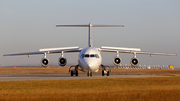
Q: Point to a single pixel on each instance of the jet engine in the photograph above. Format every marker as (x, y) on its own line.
(45, 62)
(62, 61)
(134, 62)
(117, 61)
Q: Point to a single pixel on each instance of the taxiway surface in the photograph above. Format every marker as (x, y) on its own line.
(24, 77)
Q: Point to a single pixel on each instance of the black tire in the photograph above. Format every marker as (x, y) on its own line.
(90, 73)
(87, 73)
(107, 73)
(72, 73)
(102, 72)
(76, 73)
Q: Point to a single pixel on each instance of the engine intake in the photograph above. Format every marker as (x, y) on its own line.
(62, 61)
(117, 61)
(134, 62)
(45, 62)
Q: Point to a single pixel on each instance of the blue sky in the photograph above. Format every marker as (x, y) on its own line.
(152, 25)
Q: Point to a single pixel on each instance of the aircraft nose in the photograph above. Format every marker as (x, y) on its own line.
(88, 64)
(91, 64)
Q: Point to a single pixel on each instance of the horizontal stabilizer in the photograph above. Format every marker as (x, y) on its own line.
(89, 25)
(108, 26)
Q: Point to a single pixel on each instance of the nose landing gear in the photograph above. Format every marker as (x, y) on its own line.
(89, 73)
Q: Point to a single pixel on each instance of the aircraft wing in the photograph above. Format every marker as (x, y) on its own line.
(130, 50)
(49, 50)
(152, 53)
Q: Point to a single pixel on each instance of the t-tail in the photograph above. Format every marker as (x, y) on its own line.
(90, 26)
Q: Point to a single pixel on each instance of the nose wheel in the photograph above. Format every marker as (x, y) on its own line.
(89, 73)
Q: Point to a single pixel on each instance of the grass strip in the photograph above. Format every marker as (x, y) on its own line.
(111, 89)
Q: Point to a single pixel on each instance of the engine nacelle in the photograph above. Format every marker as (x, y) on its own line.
(117, 61)
(134, 62)
(45, 62)
(62, 61)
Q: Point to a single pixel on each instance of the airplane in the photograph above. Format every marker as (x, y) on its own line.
(89, 59)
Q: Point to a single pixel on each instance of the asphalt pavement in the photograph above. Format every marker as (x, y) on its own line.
(25, 77)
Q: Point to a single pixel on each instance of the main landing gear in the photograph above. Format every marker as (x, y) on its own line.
(104, 71)
(74, 71)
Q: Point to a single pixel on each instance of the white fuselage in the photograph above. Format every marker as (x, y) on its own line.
(90, 59)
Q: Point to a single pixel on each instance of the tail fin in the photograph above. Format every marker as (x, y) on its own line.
(89, 25)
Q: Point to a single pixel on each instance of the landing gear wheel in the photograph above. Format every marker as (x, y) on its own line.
(76, 73)
(72, 73)
(87, 73)
(102, 72)
(107, 73)
(90, 73)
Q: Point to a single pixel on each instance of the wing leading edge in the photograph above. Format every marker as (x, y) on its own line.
(130, 50)
(49, 50)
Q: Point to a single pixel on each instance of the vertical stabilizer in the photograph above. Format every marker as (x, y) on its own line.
(89, 38)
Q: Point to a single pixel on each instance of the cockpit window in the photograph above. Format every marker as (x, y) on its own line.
(86, 55)
(89, 55)
(92, 55)
(97, 56)
(82, 56)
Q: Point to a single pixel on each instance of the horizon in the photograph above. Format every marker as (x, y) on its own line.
(27, 26)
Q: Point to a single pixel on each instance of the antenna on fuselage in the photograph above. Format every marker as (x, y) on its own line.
(90, 26)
